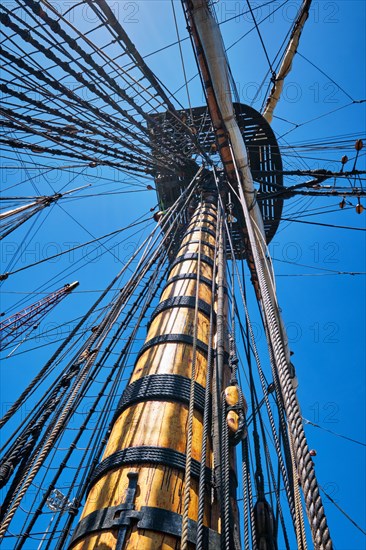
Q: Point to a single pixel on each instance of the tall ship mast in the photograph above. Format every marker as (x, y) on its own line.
(159, 420)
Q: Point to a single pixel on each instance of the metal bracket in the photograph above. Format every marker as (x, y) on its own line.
(170, 523)
(148, 518)
(116, 517)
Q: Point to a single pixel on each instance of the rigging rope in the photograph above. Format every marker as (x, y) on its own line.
(206, 412)
(119, 364)
(92, 348)
(300, 526)
(260, 37)
(187, 478)
(253, 344)
(314, 505)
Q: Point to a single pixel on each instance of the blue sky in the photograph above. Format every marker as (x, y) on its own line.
(324, 312)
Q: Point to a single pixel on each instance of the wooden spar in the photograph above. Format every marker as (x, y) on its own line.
(23, 213)
(160, 422)
(212, 101)
(18, 210)
(286, 64)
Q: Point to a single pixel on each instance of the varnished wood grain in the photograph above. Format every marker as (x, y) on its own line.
(161, 423)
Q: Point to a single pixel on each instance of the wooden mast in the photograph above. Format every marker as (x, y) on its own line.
(139, 485)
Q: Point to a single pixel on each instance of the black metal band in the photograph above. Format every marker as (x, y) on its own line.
(203, 243)
(173, 339)
(182, 301)
(194, 224)
(116, 517)
(203, 229)
(192, 256)
(192, 276)
(204, 212)
(156, 387)
(170, 523)
(204, 280)
(148, 518)
(147, 455)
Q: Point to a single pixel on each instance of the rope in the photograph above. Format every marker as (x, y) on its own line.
(225, 448)
(225, 466)
(72, 249)
(182, 61)
(343, 512)
(276, 492)
(38, 463)
(187, 485)
(117, 365)
(334, 433)
(314, 505)
(261, 38)
(54, 430)
(206, 418)
(300, 526)
(246, 475)
(72, 401)
(220, 361)
(120, 364)
(147, 245)
(26, 393)
(264, 386)
(245, 481)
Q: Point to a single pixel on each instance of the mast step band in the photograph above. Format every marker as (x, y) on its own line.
(206, 211)
(161, 387)
(192, 256)
(194, 225)
(204, 243)
(182, 301)
(149, 518)
(192, 276)
(186, 339)
(161, 456)
(203, 229)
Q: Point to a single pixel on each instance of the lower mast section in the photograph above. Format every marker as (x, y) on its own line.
(145, 492)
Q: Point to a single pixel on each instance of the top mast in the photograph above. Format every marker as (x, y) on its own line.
(286, 65)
